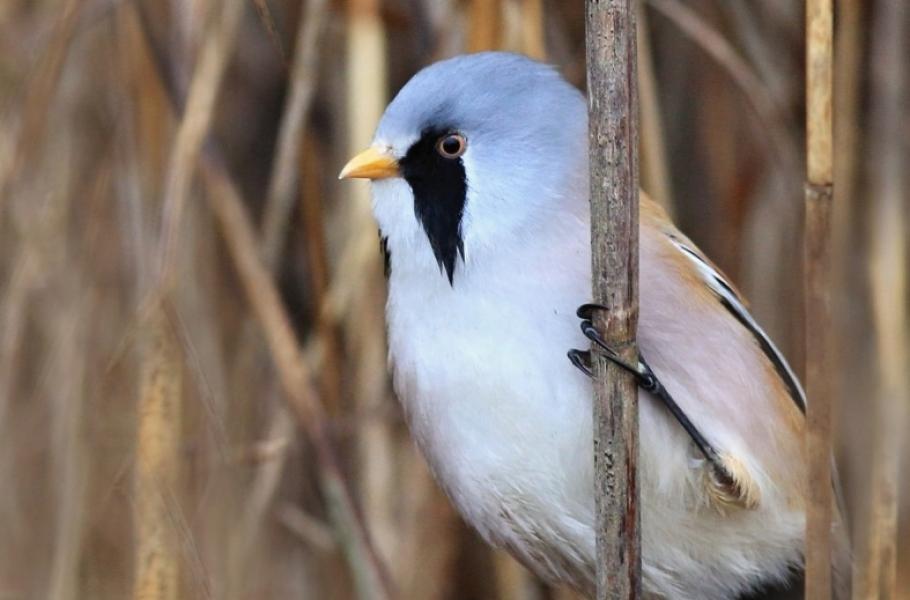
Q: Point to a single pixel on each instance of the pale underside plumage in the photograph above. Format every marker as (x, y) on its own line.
(503, 418)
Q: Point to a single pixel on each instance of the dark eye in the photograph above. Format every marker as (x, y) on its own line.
(451, 145)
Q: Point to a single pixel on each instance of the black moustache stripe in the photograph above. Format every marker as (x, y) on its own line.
(440, 190)
(386, 254)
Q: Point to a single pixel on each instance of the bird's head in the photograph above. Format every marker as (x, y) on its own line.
(473, 151)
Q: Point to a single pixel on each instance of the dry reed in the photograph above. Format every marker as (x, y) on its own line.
(158, 464)
(277, 276)
(877, 565)
(613, 144)
(485, 28)
(819, 195)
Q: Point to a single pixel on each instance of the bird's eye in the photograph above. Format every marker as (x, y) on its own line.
(451, 145)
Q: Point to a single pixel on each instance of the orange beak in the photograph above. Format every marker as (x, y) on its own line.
(370, 164)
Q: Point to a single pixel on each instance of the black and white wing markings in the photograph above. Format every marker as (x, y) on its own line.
(734, 304)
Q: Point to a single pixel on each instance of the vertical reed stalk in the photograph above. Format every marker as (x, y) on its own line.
(533, 32)
(819, 194)
(848, 56)
(485, 25)
(613, 141)
(73, 477)
(158, 464)
(849, 36)
(848, 90)
(888, 280)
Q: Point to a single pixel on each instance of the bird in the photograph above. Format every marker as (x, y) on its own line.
(479, 177)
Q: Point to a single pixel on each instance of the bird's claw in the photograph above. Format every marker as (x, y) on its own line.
(581, 360)
(586, 311)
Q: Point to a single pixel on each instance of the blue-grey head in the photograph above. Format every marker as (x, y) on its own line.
(473, 150)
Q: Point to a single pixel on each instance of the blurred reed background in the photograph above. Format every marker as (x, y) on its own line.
(170, 426)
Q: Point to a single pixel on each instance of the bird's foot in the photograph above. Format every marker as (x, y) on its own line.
(582, 358)
(732, 487)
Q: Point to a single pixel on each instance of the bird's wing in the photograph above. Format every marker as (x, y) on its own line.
(734, 302)
(722, 369)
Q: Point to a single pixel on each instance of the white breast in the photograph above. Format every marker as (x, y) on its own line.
(499, 412)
